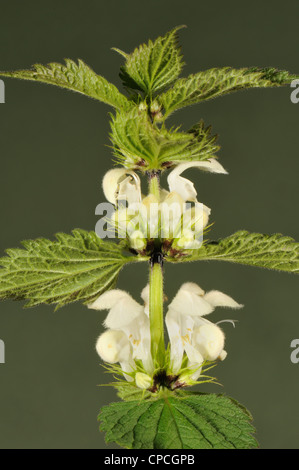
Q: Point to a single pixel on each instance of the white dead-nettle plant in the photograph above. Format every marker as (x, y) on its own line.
(153, 372)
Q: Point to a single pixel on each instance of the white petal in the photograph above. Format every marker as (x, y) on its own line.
(172, 320)
(195, 361)
(128, 189)
(209, 341)
(171, 213)
(163, 194)
(212, 165)
(108, 299)
(218, 299)
(150, 215)
(120, 220)
(187, 241)
(196, 217)
(123, 313)
(189, 303)
(222, 355)
(110, 183)
(174, 198)
(183, 186)
(113, 346)
(128, 367)
(145, 298)
(193, 288)
(194, 355)
(138, 333)
(196, 373)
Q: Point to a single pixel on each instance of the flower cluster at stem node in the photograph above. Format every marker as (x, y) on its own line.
(173, 219)
(194, 341)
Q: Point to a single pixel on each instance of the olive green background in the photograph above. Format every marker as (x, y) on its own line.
(54, 153)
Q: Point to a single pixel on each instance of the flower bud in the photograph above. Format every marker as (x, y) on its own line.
(187, 241)
(137, 240)
(143, 381)
(156, 110)
(155, 107)
(142, 106)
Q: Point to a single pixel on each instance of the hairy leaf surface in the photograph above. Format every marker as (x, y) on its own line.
(187, 421)
(137, 142)
(153, 66)
(217, 82)
(80, 266)
(254, 249)
(76, 77)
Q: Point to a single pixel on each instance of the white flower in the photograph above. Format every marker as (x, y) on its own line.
(128, 334)
(192, 334)
(193, 339)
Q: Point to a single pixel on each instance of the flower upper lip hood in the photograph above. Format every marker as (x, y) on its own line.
(122, 184)
(183, 186)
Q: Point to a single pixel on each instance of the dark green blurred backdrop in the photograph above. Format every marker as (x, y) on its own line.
(54, 153)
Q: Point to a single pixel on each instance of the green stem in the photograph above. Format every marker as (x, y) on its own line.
(156, 313)
(154, 185)
(156, 288)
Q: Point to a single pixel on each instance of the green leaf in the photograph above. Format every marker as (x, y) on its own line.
(186, 421)
(139, 143)
(217, 82)
(254, 249)
(202, 146)
(153, 66)
(76, 77)
(80, 266)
